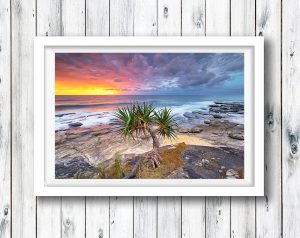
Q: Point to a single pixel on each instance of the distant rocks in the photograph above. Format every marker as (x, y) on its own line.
(75, 124)
(223, 107)
(64, 114)
(239, 135)
(191, 130)
(218, 116)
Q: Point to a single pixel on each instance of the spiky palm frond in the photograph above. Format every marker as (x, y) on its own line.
(126, 119)
(166, 123)
(135, 119)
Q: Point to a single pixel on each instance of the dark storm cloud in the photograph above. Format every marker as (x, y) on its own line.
(154, 71)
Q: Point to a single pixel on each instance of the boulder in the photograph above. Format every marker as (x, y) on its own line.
(236, 135)
(207, 122)
(217, 116)
(75, 124)
(195, 130)
(189, 115)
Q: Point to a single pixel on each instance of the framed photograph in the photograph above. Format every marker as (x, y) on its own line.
(149, 116)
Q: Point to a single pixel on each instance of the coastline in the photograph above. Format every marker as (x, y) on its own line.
(213, 150)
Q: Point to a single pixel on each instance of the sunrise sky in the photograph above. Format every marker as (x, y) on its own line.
(148, 73)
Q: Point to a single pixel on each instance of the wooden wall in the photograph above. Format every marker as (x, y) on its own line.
(274, 215)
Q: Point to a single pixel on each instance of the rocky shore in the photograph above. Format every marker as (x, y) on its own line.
(213, 149)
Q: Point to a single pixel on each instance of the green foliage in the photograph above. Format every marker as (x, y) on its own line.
(118, 172)
(101, 172)
(166, 122)
(82, 175)
(139, 118)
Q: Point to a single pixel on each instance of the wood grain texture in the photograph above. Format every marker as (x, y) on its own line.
(97, 208)
(218, 17)
(48, 222)
(169, 17)
(97, 17)
(268, 208)
(169, 208)
(121, 217)
(145, 217)
(193, 208)
(121, 17)
(73, 209)
(193, 17)
(218, 208)
(48, 23)
(73, 217)
(145, 17)
(290, 118)
(21, 216)
(23, 200)
(193, 217)
(73, 17)
(145, 208)
(169, 217)
(242, 208)
(5, 120)
(121, 208)
(97, 217)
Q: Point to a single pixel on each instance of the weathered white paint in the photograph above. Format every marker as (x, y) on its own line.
(268, 208)
(145, 208)
(169, 217)
(217, 208)
(193, 208)
(97, 208)
(290, 118)
(73, 209)
(128, 17)
(23, 18)
(48, 23)
(97, 217)
(121, 217)
(242, 24)
(5, 120)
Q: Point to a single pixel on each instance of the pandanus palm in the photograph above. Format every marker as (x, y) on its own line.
(143, 120)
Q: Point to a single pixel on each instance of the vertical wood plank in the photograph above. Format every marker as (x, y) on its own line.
(97, 217)
(121, 17)
(169, 17)
(73, 209)
(5, 120)
(169, 217)
(121, 217)
(145, 208)
(73, 17)
(97, 18)
(242, 208)
(218, 17)
(193, 217)
(73, 217)
(97, 208)
(218, 208)
(290, 117)
(23, 200)
(193, 208)
(48, 217)
(145, 217)
(169, 208)
(121, 208)
(145, 17)
(268, 208)
(193, 17)
(48, 208)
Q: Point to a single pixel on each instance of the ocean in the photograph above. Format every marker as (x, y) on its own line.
(98, 110)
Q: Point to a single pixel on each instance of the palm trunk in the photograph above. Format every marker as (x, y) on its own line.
(155, 140)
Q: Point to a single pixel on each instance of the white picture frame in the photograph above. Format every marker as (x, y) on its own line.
(45, 183)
